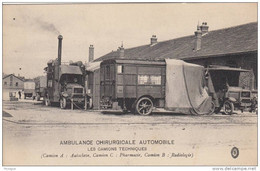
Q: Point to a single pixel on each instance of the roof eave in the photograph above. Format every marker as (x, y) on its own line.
(218, 55)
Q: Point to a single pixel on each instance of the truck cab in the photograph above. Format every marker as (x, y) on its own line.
(65, 84)
(227, 92)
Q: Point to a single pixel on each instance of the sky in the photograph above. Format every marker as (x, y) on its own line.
(30, 31)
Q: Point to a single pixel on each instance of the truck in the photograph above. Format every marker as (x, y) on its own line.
(40, 86)
(29, 89)
(142, 85)
(225, 89)
(65, 82)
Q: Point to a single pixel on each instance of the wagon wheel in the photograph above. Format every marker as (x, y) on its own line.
(63, 103)
(228, 107)
(144, 106)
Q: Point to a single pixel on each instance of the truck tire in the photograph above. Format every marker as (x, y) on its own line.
(228, 107)
(144, 106)
(63, 103)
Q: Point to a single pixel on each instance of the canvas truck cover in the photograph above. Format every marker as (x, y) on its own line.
(29, 85)
(70, 69)
(185, 91)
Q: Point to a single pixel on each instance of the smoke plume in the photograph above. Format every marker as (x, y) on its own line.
(47, 26)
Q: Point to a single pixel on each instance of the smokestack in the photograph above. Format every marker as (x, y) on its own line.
(204, 28)
(121, 51)
(59, 49)
(198, 35)
(153, 40)
(91, 53)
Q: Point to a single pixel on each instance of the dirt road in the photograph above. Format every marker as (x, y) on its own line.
(37, 135)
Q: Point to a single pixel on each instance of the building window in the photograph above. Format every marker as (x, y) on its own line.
(16, 84)
(149, 79)
(11, 80)
(120, 69)
(155, 79)
(107, 72)
(5, 83)
(49, 83)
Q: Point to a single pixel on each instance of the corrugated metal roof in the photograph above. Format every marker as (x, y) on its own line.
(231, 40)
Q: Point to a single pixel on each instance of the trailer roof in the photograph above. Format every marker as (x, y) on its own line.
(144, 62)
(223, 68)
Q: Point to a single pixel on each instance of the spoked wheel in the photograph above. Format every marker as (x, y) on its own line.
(63, 103)
(228, 107)
(144, 106)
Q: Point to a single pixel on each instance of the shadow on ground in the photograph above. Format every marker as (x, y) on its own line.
(5, 114)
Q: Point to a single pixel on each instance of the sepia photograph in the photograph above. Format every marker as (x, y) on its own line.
(130, 84)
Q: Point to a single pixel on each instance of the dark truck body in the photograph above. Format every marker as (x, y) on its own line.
(29, 89)
(122, 82)
(227, 92)
(40, 86)
(65, 82)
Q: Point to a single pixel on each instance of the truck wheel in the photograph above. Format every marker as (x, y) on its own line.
(63, 103)
(47, 101)
(228, 107)
(144, 106)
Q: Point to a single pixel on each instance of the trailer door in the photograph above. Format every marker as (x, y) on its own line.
(108, 81)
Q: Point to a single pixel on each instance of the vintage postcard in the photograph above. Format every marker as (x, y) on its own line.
(130, 84)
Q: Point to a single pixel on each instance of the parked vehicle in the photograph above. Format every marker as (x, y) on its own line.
(65, 83)
(139, 86)
(29, 89)
(225, 90)
(40, 86)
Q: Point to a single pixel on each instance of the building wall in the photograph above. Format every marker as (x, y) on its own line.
(245, 61)
(94, 87)
(12, 82)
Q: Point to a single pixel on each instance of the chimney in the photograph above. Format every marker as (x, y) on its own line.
(91, 53)
(153, 40)
(204, 28)
(198, 35)
(121, 51)
(59, 49)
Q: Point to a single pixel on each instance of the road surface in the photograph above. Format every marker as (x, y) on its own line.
(34, 134)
